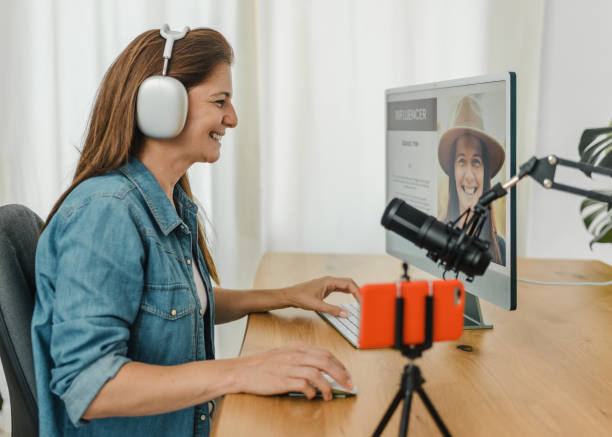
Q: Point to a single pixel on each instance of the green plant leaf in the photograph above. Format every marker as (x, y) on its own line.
(595, 148)
(605, 157)
(589, 135)
(598, 153)
(588, 219)
(604, 236)
(597, 219)
(589, 202)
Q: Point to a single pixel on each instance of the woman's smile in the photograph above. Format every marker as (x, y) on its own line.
(215, 136)
(469, 190)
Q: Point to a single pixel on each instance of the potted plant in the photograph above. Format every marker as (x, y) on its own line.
(595, 148)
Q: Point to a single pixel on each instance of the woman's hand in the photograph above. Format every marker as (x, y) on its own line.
(309, 295)
(295, 367)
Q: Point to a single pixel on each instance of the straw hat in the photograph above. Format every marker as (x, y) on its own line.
(468, 120)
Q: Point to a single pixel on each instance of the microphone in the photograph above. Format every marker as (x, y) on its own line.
(460, 249)
(447, 245)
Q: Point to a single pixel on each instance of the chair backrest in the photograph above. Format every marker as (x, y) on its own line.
(19, 230)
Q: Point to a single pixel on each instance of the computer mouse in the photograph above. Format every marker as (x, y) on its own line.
(338, 391)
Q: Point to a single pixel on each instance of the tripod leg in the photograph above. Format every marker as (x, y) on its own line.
(394, 403)
(432, 411)
(406, 409)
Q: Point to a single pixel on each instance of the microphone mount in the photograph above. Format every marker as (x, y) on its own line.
(540, 169)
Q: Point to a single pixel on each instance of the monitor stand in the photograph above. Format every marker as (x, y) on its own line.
(472, 315)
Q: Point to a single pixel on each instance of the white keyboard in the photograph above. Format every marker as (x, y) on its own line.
(349, 327)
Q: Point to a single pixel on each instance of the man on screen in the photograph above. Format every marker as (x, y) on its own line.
(471, 158)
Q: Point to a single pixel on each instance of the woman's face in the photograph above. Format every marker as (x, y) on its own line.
(210, 113)
(469, 171)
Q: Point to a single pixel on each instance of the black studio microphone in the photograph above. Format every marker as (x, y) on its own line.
(442, 241)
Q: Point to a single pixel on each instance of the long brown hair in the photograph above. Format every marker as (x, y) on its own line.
(112, 133)
(452, 209)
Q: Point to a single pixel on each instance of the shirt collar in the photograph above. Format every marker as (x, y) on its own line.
(158, 203)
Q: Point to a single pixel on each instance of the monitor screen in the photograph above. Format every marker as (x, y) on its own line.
(446, 144)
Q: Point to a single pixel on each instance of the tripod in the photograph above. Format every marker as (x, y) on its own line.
(411, 378)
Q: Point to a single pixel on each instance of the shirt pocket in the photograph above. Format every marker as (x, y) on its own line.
(164, 330)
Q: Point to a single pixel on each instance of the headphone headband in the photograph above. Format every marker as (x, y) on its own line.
(170, 36)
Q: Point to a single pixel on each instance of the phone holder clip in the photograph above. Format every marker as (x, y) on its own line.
(412, 380)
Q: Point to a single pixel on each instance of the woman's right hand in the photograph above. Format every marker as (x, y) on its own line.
(295, 367)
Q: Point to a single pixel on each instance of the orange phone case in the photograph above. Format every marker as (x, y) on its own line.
(377, 328)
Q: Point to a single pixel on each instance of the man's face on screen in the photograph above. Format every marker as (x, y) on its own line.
(469, 171)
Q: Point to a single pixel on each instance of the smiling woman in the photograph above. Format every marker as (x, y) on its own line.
(123, 324)
(471, 158)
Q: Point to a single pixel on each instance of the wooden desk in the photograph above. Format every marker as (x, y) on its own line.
(544, 370)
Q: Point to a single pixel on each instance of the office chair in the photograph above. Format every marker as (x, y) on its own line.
(19, 230)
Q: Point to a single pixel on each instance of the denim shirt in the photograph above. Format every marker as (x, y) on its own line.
(115, 284)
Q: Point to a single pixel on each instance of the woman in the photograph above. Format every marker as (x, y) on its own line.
(123, 323)
(470, 158)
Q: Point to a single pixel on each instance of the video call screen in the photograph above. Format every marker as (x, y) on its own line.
(445, 147)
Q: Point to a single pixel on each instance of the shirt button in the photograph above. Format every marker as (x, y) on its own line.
(188, 261)
(203, 417)
(201, 312)
(173, 312)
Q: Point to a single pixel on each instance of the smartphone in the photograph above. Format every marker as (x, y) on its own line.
(377, 326)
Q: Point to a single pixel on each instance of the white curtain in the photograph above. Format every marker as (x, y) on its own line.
(304, 169)
(324, 67)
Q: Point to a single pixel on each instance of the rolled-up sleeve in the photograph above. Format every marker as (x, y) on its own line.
(97, 297)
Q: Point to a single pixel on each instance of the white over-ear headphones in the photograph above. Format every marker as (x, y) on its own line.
(161, 104)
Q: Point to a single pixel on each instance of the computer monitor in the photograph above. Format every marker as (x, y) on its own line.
(446, 143)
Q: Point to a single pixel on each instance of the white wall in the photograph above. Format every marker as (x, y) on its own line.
(323, 74)
(575, 93)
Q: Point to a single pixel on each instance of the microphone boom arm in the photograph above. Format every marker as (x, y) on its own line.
(456, 246)
(543, 171)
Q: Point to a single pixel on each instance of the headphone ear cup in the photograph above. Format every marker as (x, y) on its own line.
(161, 107)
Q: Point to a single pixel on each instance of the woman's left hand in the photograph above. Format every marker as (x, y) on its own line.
(309, 295)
